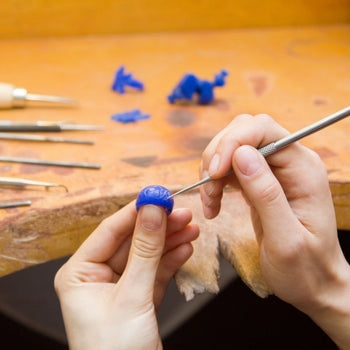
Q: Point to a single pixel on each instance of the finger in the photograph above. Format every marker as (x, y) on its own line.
(304, 179)
(258, 131)
(265, 193)
(168, 266)
(186, 235)
(211, 195)
(102, 244)
(145, 252)
(211, 148)
(177, 220)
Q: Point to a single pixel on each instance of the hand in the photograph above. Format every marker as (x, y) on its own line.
(293, 218)
(110, 288)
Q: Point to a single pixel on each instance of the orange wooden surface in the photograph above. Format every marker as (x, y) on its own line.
(42, 18)
(296, 75)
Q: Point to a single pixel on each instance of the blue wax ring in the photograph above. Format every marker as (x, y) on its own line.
(157, 195)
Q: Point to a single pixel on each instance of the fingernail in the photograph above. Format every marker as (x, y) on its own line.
(214, 165)
(247, 160)
(151, 217)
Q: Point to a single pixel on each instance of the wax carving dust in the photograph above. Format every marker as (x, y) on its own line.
(181, 117)
(156, 195)
(325, 152)
(319, 101)
(196, 143)
(260, 82)
(62, 170)
(32, 169)
(143, 162)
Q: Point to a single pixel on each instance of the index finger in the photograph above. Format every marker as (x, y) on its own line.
(102, 244)
(257, 132)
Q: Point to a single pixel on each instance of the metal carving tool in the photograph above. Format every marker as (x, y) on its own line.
(49, 163)
(44, 126)
(11, 97)
(12, 181)
(15, 204)
(284, 142)
(29, 137)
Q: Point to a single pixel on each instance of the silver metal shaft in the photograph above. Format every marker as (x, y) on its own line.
(49, 163)
(15, 204)
(44, 126)
(284, 142)
(50, 98)
(30, 137)
(12, 181)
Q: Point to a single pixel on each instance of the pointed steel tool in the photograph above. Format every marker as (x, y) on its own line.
(15, 204)
(44, 126)
(12, 181)
(29, 137)
(49, 163)
(284, 142)
(11, 97)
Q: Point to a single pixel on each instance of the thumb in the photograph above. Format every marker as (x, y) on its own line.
(146, 249)
(263, 191)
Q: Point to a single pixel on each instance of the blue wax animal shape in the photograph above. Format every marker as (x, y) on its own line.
(130, 116)
(190, 85)
(121, 79)
(157, 195)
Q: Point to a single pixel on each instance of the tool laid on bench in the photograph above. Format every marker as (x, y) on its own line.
(12, 97)
(9, 125)
(13, 181)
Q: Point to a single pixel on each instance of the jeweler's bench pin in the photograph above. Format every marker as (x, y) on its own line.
(284, 142)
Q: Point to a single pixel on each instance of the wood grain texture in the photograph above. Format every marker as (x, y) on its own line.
(296, 75)
(41, 18)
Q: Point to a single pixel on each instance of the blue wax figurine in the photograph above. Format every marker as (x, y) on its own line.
(130, 116)
(190, 85)
(122, 79)
(157, 195)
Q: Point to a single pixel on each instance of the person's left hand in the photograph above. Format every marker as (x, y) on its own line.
(110, 288)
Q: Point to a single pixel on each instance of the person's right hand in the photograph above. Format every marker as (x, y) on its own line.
(293, 218)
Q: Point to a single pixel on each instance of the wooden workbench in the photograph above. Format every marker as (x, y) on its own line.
(297, 75)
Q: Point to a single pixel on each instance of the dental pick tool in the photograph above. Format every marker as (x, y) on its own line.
(12, 181)
(284, 142)
(12, 97)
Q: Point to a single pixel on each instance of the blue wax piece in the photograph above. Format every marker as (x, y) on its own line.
(190, 85)
(130, 116)
(156, 195)
(122, 79)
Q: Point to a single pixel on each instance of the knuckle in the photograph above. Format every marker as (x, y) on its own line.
(59, 280)
(213, 189)
(271, 194)
(241, 118)
(265, 118)
(290, 255)
(316, 161)
(145, 249)
(319, 177)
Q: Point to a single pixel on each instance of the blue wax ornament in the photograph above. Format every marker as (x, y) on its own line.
(122, 79)
(130, 116)
(157, 195)
(191, 85)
